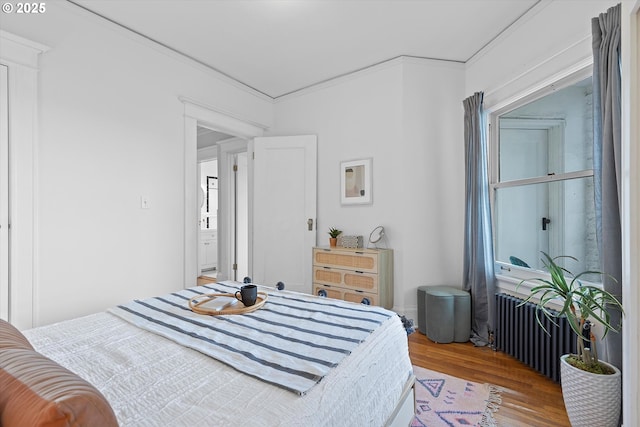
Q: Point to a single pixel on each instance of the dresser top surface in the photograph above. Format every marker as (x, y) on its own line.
(360, 250)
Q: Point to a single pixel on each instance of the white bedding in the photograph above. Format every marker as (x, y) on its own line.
(293, 341)
(151, 381)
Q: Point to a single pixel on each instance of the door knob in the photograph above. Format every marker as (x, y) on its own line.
(545, 221)
(310, 224)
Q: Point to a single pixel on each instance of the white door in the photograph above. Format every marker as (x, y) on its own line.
(284, 210)
(4, 195)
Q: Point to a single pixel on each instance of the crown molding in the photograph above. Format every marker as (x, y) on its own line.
(504, 34)
(373, 68)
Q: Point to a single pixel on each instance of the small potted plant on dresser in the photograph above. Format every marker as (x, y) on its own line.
(333, 236)
(591, 388)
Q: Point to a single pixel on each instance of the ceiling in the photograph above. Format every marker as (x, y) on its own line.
(209, 137)
(280, 46)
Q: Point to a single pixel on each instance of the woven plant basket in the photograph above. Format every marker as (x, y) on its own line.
(591, 399)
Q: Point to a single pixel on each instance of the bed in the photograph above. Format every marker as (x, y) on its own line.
(149, 378)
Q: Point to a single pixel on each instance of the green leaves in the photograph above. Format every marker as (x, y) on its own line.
(334, 232)
(579, 301)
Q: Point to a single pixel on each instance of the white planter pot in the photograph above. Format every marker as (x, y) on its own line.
(591, 399)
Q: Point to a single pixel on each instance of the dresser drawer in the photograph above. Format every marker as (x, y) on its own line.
(346, 278)
(327, 291)
(361, 297)
(353, 260)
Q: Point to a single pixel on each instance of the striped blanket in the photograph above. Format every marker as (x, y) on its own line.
(293, 341)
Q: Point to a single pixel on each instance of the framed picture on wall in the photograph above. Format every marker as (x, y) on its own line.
(355, 182)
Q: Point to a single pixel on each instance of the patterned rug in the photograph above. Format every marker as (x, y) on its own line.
(443, 400)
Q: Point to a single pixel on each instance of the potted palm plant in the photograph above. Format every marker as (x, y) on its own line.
(591, 388)
(333, 236)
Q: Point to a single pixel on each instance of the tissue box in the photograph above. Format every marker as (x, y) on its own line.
(350, 241)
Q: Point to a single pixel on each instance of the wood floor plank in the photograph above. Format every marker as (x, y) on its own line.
(203, 280)
(528, 399)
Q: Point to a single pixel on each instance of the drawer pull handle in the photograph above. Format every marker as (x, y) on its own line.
(359, 272)
(322, 293)
(366, 301)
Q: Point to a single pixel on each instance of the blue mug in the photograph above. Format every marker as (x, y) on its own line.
(248, 294)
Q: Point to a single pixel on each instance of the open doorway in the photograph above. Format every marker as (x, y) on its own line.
(223, 232)
(197, 116)
(208, 247)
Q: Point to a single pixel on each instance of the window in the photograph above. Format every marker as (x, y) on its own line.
(542, 181)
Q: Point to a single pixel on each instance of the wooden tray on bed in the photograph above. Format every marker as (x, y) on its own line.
(195, 304)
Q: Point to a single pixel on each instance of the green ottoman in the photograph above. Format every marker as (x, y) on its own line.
(448, 314)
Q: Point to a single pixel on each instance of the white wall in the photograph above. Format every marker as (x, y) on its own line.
(431, 210)
(111, 129)
(407, 115)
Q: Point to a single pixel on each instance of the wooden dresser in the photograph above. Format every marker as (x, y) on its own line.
(357, 275)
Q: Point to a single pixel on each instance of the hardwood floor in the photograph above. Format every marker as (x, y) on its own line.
(203, 280)
(528, 399)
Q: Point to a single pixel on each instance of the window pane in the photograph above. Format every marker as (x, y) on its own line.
(567, 209)
(553, 134)
(523, 153)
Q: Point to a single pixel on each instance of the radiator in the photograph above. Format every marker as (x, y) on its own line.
(519, 335)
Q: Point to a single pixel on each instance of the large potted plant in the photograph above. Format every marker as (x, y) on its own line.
(591, 388)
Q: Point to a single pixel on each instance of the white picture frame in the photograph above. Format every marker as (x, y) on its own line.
(355, 182)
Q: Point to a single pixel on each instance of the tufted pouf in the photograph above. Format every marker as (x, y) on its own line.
(445, 313)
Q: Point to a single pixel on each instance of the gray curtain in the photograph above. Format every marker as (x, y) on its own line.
(478, 272)
(607, 160)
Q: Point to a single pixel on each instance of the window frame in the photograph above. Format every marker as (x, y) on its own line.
(511, 277)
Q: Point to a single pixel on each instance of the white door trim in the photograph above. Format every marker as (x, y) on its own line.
(197, 113)
(21, 56)
(4, 193)
(227, 150)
